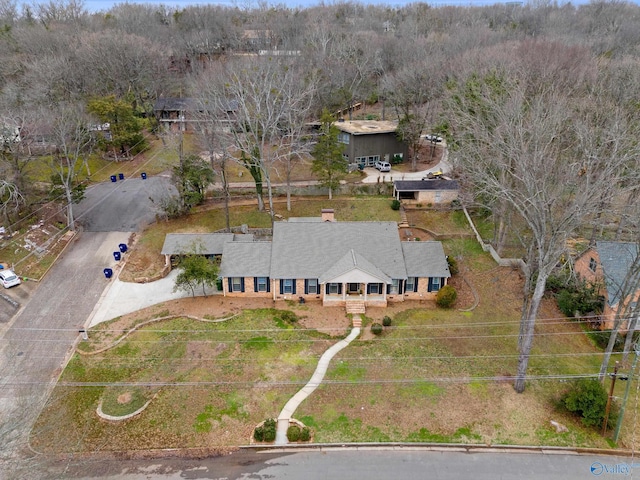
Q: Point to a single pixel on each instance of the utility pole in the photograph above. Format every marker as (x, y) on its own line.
(616, 434)
(608, 407)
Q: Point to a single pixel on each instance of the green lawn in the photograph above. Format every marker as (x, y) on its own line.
(434, 376)
(233, 375)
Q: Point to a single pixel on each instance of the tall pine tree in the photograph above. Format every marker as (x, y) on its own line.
(328, 163)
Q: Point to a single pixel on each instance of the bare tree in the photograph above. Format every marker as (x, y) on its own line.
(11, 199)
(412, 92)
(73, 139)
(264, 102)
(533, 150)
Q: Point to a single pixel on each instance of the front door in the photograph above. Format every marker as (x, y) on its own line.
(353, 288)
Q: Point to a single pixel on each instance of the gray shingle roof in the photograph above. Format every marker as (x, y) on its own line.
(424, 185)
(246, 259)
(309, 249)
(176, 104)
(349, 262)
(617, 260)
(202, 243)
(425, 259)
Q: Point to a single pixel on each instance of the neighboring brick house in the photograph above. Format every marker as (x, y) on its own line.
(433, 192)
(367, 141)
(334, 262)
(615, 268)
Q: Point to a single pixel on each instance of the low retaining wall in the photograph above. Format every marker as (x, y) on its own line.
(487, 247)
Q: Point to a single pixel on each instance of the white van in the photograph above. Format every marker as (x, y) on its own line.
(383, 166)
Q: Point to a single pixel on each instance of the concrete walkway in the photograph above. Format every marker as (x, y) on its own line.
(316, 379)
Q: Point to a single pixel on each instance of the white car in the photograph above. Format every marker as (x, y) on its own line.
(433, 138)
(383, 166)
(9, 279)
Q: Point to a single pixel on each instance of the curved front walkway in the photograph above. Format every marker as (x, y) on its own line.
(316, 379)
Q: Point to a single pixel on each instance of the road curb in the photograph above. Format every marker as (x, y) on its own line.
(436, 447)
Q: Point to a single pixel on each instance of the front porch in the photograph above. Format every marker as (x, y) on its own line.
(367, 300)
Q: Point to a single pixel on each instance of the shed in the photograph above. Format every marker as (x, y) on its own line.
(437, 191)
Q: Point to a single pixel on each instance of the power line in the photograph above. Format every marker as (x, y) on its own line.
(316, 340)
(547, 321)
(86, 181)
(387, 358)
(264, 384)
(63, 207)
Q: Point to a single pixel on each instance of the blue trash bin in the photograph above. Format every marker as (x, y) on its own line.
(116, 255)
(123, 247)
(114, 178)
(108, 273)
(121, 176)
(143, 175)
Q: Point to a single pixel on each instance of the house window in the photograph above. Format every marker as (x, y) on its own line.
(343, 138)
(394, 288)
(411, 284)
(311, 286)
(261, 284)
(287, 286)
(434, 284)
(593, 264)
(334, 288)
(374, 288)
(236, 284)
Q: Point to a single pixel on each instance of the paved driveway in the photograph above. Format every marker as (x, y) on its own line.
(121, 298)
(123, 206)
(34, 348)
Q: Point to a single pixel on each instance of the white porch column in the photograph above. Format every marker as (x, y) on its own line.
(365, 291)
(344, 291)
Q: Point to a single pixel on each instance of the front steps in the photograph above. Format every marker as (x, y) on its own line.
(355, 307)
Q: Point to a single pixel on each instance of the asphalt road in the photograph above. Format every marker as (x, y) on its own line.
(35, 346)
(353, 464)
(123, 206)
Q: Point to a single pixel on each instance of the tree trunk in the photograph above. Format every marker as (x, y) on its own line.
(270, 199)
(288, 190)
(607, 353)
(629, 337)
(70, 220)
(225, 192)
(527, 326)
(330, 193)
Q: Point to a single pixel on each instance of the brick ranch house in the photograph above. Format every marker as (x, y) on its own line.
(337, 263)
(615, 268)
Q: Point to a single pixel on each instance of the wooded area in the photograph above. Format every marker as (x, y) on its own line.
(539, 102)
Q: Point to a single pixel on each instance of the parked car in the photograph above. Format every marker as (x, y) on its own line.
(383, 166)
(433, 138)
(9, 279)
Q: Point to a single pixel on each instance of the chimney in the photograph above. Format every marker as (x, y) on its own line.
(327, 215)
